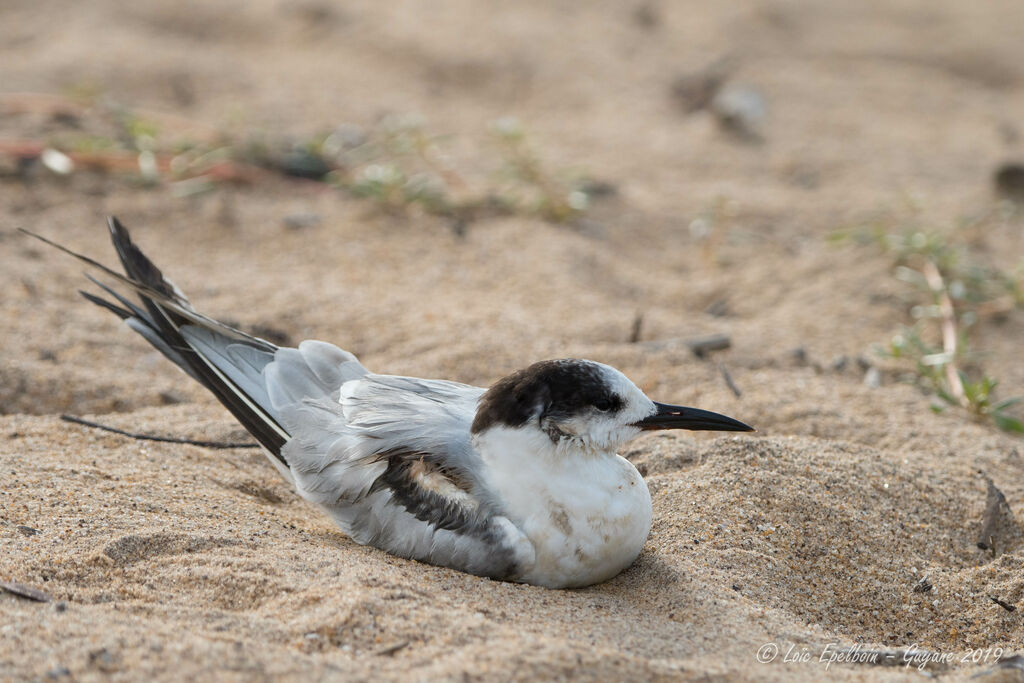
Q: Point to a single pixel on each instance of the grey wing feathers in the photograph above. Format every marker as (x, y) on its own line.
(424, 414)
(314, 370)
(342, 447)
(242, 364)
(164, 311)
(140, 321)
(391, 461)
(338, 440)
(390, 458)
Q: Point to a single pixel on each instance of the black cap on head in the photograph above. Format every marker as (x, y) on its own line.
(550, 388)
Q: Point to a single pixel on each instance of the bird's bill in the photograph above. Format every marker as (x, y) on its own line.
(681, 417)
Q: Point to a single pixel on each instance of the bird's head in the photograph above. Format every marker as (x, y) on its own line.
(585, 404)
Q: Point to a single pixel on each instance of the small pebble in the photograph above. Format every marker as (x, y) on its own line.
(740, 109)
(1009, 182)
(301, 221)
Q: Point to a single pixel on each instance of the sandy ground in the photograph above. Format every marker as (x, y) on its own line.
(170, 562)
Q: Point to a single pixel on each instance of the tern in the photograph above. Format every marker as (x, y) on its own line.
(518, 482)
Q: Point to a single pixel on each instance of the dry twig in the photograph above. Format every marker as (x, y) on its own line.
(149, 437)
(949, 334)
(23, 591)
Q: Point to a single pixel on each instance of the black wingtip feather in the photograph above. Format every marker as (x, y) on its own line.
(167, 323)
(151, 287)
(135, 310)
(116, 310)
(136, 264)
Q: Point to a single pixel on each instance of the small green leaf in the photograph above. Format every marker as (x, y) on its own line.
(1007, 403)
(1008, 423)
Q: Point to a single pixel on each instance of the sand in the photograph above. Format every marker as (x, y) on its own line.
(176, 562)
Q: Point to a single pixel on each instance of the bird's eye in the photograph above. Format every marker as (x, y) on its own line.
(603, 404)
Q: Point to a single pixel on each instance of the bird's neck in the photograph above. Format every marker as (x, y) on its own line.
(523, 446)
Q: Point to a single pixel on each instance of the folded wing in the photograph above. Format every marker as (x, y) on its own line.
(388, 457)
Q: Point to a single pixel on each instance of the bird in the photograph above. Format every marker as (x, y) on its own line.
(517, 482)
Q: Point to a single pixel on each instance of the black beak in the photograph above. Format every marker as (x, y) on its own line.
(681, 417)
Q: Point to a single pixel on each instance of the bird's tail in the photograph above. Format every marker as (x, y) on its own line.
(223, 359)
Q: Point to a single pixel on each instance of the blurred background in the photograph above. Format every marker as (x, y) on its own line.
(805, 215)
(458, 188)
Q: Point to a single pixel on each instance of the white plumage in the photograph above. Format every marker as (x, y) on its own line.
(519, 482)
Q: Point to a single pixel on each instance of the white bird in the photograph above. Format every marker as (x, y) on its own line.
(518, 482)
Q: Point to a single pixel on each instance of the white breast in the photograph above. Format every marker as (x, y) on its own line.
(587, 514)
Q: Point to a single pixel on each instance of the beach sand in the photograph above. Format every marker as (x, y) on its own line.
(167, 561)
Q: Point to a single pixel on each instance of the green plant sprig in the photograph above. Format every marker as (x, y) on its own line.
(955, 294)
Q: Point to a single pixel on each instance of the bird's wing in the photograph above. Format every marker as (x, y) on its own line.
(164, 319)
(390, 458)
(392, 462)
(343, 444)
(427, 415)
